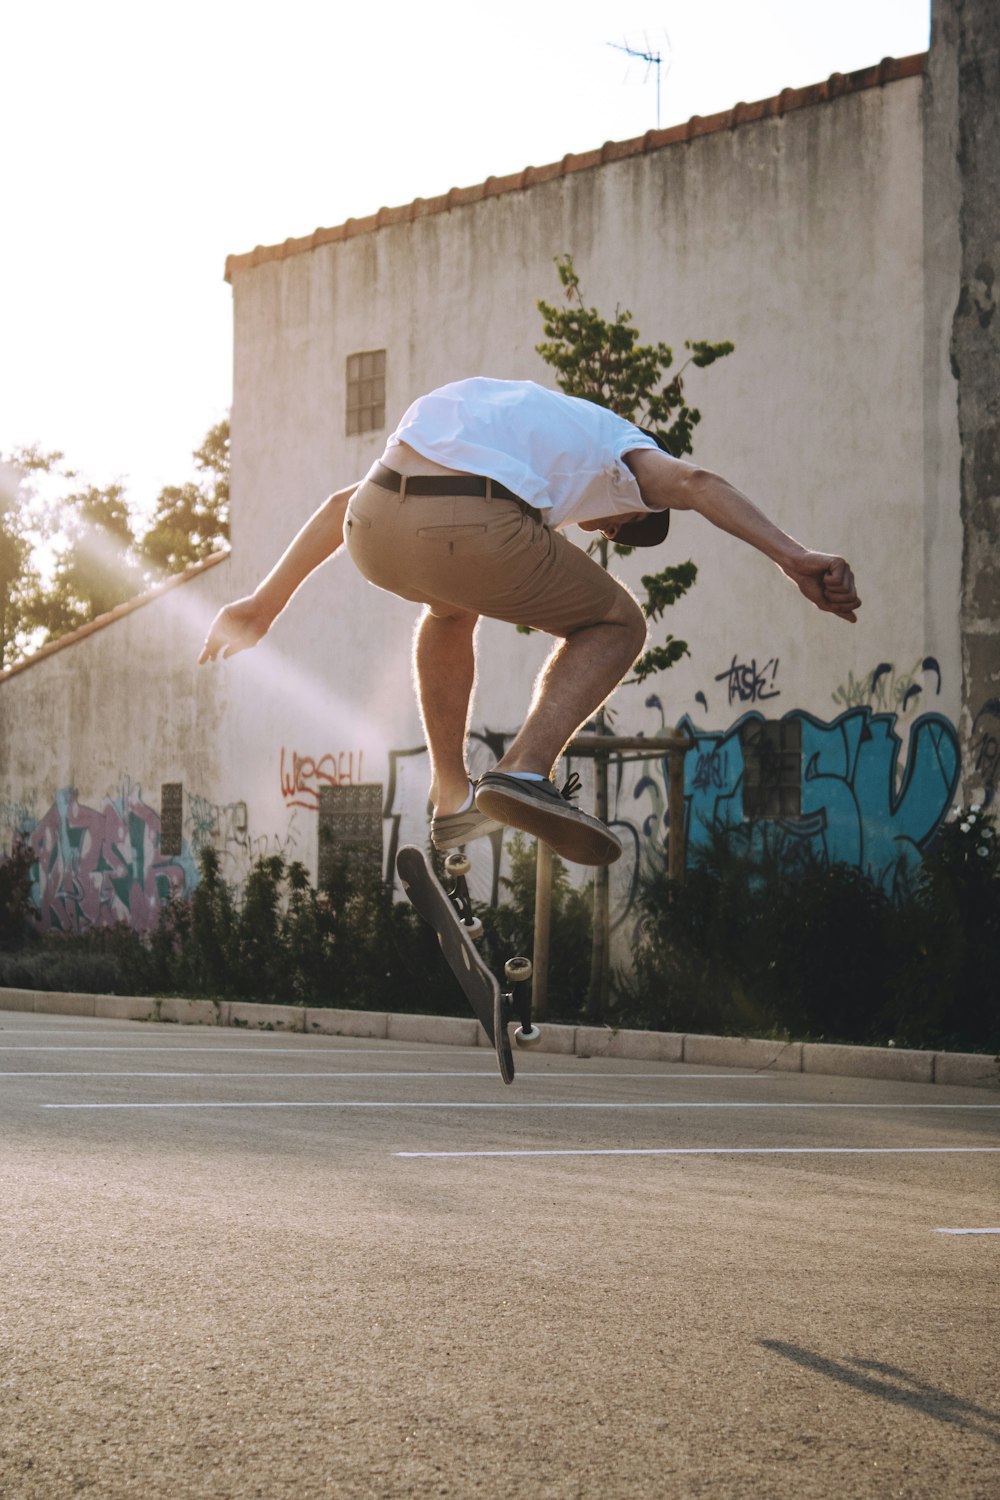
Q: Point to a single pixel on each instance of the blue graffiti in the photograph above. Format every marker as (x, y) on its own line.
(856, 807)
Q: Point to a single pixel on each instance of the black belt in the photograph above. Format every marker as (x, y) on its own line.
(446, 484)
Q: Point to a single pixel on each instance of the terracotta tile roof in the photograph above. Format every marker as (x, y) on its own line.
(118, 613)
(837, 85)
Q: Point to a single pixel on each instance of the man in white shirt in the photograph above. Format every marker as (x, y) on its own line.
(464, 514)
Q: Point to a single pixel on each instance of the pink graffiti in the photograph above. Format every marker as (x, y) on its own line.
(99, 867)
(302, 780)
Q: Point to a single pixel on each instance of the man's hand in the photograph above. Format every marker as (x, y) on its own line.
(827, 581)
(236, 627)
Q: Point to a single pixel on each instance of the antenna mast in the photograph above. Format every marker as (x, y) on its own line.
(652, 60)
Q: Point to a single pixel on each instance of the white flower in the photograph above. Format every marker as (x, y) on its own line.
(977, 807)
(983, 849)
(965, 827)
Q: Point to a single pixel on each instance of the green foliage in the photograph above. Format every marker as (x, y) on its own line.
(20, 580)
(659, 658)
(15, 896)
(96, 564)
(69, 550)
(350, 945)
(759, 940)
(666, 587)
(601, 360)
(191, 521)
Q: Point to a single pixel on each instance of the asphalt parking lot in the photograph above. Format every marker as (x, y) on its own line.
(239, 1264)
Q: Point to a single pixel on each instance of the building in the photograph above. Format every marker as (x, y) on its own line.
(845, 238)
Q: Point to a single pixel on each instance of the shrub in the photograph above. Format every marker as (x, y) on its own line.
(15, 896)
(774, 942)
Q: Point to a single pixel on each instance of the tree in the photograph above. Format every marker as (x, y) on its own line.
(191, 521)
(97, 566)
(22, 528)
(67, 558)
(602, 361)
(18, 578)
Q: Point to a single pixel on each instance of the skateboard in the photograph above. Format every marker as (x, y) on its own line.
(448, 909)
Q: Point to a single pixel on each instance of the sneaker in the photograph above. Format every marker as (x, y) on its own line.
(537, 807)
(452, 830)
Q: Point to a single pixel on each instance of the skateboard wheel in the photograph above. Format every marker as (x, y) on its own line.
(474, 929)
(529, 1038)
(457, 865)
(517, 970)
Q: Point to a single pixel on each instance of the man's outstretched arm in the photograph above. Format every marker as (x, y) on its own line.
(244, 622)
(668, 483)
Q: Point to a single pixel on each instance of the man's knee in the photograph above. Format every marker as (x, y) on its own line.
(450, 614)
(627, 614)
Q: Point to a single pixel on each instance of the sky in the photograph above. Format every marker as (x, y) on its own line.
(140, 145)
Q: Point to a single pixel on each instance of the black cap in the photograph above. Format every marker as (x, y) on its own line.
(648, 532)
(651, 530)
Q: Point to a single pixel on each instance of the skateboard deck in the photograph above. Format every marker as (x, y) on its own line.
(431, 901)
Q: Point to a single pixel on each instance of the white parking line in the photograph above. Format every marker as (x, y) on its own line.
(967, 1231)
(488, 1070)
(167, 1043)
(728, 1151)
(493, 1104)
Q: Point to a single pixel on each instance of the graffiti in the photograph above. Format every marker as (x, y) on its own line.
(225, 827)
(859, 807)
(984, 749)
(17, 819)
(302, 780)
(746, 683)
(886, 690)
(711, 768)
(96, 867)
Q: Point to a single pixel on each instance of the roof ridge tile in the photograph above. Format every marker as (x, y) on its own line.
(889, 70)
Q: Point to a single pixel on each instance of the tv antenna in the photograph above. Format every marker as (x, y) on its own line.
(651, 59)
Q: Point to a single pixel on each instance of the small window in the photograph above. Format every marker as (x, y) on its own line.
(171, 817)
(350, 828)
(366, 392)
(772, 768)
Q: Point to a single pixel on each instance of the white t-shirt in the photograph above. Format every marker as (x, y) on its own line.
(557, 453)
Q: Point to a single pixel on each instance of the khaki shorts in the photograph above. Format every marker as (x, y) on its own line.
(487, 556)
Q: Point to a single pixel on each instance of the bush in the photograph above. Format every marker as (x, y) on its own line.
(759, 940)
(775, 943)
(15, 896)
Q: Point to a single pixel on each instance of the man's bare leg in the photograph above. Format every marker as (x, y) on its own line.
(444, 671)
(578, 676)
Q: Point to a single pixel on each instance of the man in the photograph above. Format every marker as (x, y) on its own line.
(464, 514)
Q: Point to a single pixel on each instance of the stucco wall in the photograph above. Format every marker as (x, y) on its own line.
(88, 736)
(803, 238)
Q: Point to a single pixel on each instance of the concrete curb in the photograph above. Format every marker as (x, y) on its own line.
(899, 1064)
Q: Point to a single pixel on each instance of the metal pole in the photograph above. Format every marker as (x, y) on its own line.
(677, 839)
(543, 929)
(600, 951)
(599, 745)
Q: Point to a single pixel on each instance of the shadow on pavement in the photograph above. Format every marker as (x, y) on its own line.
(898, 1387)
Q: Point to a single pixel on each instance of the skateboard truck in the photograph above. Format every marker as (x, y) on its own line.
(456, 867)
(447, 908)
(516, 999)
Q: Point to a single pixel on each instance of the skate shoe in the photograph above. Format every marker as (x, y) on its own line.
(452, 830)
(537, 807)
